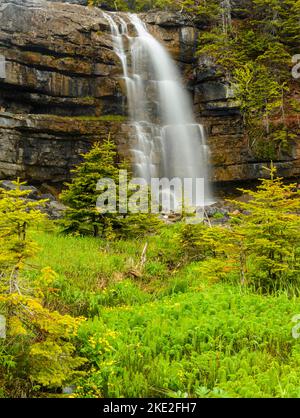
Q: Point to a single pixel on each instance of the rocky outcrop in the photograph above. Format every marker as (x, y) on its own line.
(61, 89)
(59, 58)
(45, 147)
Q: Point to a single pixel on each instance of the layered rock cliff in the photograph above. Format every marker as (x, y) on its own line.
(61, 89)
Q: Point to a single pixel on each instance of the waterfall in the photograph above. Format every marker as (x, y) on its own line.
(226, 15)
(169, 143)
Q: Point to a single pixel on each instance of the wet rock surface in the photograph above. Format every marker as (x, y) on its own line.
(63, 90)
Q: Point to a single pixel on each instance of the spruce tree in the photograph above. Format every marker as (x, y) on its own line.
(267, 234)
(82, 216)
(38, 349)
(16, 214)
(261, 245)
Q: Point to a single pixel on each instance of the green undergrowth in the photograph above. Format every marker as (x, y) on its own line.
(163, 329)
(213, 343)
(93, 272)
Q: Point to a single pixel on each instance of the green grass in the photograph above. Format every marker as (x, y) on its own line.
(168, 331)
(104, 118)
(87, 266)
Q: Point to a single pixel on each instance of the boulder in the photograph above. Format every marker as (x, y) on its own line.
(9, 185)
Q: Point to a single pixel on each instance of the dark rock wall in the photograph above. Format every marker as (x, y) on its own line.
(62, 90)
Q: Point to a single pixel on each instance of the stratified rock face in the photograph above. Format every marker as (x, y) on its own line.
(60, 76)
(61, 89)
(59, 58)
(45, 147)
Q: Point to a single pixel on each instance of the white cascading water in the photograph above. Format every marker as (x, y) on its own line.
(226, 15)
(169, 142)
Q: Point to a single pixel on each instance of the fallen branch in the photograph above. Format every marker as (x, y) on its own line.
(144, 256)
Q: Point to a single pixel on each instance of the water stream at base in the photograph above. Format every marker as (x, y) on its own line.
(169, 142)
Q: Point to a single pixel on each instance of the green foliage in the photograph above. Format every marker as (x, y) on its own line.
(178, 328)
(82, 216)
(144, 5)
(95, 273)
(81, 195)
(199, 242)
(262, 246)
(261, 97)
(15, 215)
(270, 234)
(255, 92)
(38, 349)
(255, 54)
(217, 343)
